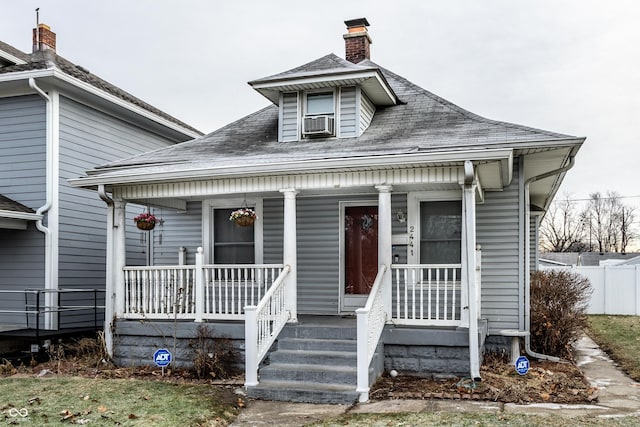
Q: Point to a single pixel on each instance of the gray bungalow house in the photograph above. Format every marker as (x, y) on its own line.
(57, 120)
(394, 230)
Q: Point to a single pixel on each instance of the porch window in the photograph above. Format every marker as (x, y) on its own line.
(232, 244)
(440, 232)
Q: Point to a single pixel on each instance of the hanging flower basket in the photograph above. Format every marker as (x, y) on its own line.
(145, 221)
(244, 217)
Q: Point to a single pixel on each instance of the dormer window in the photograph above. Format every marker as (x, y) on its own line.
(320, 103)
(319, 117)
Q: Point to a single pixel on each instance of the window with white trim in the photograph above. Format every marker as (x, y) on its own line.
(232, 244)
(320, 103)
(440, 232)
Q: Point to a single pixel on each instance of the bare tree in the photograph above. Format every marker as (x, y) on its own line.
(610, 222)
(562, 229)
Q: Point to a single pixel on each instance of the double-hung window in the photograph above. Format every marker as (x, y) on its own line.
(232, 244)
(320, 104)
(440, 232)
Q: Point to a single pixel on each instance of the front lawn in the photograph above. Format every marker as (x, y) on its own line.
(619, 336)
(29, 401)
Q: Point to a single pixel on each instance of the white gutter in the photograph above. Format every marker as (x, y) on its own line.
(288, 167)
(20, 215)
(527, 261)
(50, 282)
(50, 72)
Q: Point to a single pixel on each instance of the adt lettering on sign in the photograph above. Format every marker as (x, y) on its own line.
(522, 365)
(162, 357)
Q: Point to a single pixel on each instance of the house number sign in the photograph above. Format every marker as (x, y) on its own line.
(412, 230)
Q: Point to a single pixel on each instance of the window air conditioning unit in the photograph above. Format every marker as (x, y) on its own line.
(317, 125)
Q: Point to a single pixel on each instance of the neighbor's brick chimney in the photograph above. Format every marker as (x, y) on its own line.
(43, 38)
(357, 40)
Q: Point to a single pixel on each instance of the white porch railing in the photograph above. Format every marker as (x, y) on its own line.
(195, 292)
(426, 294)
(370, 323)
(263, 323)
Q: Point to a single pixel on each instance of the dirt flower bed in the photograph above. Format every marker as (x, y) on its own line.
(546, 382)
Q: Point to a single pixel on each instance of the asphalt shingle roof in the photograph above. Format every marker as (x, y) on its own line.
(421, 121)
(48, 59)
(6, 204)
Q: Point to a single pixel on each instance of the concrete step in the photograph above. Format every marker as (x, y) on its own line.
(309, 373)
(320, 332)
(299, 392)
(313, 344)
(314, 357)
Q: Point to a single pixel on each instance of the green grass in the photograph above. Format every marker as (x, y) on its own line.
(619, 336)
(109, 402)
(424, 419)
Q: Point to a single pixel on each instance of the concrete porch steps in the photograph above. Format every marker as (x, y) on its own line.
(315, 361)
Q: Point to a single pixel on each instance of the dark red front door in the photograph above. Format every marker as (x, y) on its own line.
(360, 248)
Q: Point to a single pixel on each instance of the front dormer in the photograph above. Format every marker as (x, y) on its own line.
(330, 97)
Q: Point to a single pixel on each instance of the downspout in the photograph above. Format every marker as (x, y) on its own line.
(49, 183)
(527, 262)
(109, 296)
(470, 245)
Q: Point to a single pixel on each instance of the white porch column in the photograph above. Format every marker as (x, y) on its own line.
(469, 212)
(109, 294)
(385, 241)
(290, 252)
(119, 254)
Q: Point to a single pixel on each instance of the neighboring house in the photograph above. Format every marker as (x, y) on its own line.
(394, 231)
(57, 120)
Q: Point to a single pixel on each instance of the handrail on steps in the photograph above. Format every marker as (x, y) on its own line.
(262, 326)
(371, 320)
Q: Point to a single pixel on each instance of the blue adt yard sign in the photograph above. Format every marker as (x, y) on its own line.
(162, 357)
(522, 365)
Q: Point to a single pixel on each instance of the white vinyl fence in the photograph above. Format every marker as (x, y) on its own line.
(616, 289)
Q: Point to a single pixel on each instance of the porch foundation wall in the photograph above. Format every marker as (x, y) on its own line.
(136, 341)
(430, 353)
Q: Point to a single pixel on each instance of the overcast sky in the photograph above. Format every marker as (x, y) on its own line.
(570, 66)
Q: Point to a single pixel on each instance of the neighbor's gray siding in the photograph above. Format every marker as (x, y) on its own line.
(179, 229)
(22, 178)
(533, 243)
(367, 110)
(348, 112)
(289, 117)
(89, 138)
(497, 233)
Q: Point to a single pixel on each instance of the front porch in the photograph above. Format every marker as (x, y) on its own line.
(318, 241)
(426, 311)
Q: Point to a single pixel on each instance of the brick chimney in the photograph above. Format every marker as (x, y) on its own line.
(43, 38)
(357, 40)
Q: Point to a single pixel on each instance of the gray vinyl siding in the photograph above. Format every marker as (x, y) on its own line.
(318, 246)
(289, 117)
(22, 178)
(348, 112)
(498, 234)
(179, 229)
(89, 138)
(367, 110)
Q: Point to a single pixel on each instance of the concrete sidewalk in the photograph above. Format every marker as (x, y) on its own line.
(617, 396)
